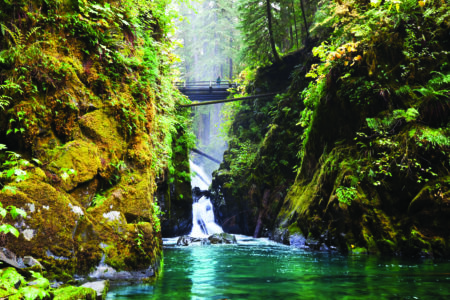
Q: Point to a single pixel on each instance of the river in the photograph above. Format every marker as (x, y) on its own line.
(261, 269)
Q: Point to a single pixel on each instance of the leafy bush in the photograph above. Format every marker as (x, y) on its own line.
(346, 194)
(14, 285)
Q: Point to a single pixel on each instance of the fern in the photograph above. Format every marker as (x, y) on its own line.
(403, 90)
(434, 87)
(410, 115)
(437, 138)
(381, 125)
(4, 101)
(441, 79)
(21, 47)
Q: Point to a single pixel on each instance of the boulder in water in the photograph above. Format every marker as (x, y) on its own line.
(186, 240)
(222, 238)
(100, 287)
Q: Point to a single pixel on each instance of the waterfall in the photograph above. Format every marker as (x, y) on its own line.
(203, 224)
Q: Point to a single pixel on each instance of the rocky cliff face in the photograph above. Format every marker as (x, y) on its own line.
(87, 101)
(369, 137)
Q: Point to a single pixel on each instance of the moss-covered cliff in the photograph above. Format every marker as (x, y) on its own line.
(87, 100)
(368, 136)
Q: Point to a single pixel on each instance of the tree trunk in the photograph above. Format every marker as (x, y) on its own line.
(262, 212)
(295, 22)
(231, 59)
(304, 19)
(271, 37)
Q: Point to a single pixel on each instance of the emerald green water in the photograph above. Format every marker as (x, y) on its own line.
(259, 269)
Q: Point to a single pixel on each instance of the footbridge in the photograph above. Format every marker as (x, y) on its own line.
(212, 92)
(206, 90)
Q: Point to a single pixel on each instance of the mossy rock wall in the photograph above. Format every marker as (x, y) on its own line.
(374, 187)
(367, 131)
(249, 188)
(88, 113)
(175, 194)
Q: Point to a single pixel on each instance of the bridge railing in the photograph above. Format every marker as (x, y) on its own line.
(205, 84)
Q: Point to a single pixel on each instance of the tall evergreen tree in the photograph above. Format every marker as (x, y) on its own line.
(259, 41)
(270, 27)
(210, 40)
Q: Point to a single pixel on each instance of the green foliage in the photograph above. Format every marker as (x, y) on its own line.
(383, 125)
(66, 172)
(14, 212)
(140, 241)
(98, 200)
(436, 138)
(346, 194)
(438, 86)
(270, 27)
(156, 213)
(22, 46)
(13, 168)
(243, 157)
(16, 286)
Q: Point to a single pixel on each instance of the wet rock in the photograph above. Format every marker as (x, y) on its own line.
(106, 272)
(186, 240)
(222, 238)
(29, 261)
(72, 292)
(280, 236)
(100, 287)
(206, 242)
(298, 241)
(8, 258)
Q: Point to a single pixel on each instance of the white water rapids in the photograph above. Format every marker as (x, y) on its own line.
(203, 224)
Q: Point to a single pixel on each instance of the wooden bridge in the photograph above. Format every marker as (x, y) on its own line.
(211, 92)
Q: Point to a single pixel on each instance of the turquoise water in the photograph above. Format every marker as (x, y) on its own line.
(260, 269)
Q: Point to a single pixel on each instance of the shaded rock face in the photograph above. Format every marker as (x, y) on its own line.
(175, 196)
(248, 201)
(362, 181)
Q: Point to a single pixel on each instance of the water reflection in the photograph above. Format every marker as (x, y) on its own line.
(260, 269)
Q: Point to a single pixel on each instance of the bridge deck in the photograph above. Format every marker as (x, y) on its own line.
(206, 90)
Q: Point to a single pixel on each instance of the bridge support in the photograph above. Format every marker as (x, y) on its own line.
(205, 155)
(228, 100)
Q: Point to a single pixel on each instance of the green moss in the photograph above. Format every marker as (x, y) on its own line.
(359, 250)
(95, 111)
(74, 293)
(293, 229)
(115, 256)
(80, 156)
